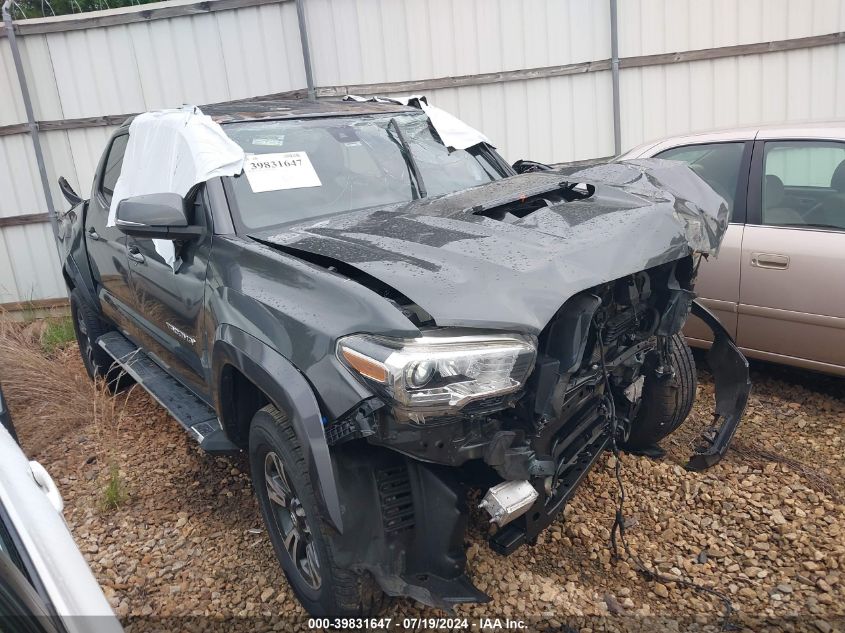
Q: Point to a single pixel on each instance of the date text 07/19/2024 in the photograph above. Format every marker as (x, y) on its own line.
(418, 624)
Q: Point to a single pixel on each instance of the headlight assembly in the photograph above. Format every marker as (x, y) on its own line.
(440, 373)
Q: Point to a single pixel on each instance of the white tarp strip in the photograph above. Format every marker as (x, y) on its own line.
(171, 151)
(452, 131)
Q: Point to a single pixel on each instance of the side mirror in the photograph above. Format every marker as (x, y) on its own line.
(157, 216)
(67, 191)
(523, 166)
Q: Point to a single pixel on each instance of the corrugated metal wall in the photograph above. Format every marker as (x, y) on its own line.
(743, 90)
(121, 69)
(233, 49)
(377, 41)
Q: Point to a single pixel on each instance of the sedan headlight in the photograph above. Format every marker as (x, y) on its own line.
(440, 373)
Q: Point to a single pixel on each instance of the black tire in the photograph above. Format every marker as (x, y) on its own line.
(88, 327)
(666, 403)
(338, 592)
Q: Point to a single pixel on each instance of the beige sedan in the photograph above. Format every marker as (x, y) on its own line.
(778, 284)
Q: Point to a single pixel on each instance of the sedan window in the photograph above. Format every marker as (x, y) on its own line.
(7, 546)
(718, 164)
(804, 184)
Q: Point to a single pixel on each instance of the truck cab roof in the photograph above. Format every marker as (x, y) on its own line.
(278, 109)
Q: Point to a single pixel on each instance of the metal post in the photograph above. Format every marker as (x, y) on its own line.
(306, 50)
(614, 74)
(30, 118)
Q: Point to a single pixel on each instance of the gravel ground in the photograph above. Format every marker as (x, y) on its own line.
(765, 526)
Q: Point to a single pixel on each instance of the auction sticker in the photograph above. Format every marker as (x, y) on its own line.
(284, 170)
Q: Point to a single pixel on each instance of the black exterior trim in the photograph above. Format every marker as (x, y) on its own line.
(755, 185)
(291, 393)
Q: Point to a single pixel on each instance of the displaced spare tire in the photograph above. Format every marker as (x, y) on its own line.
(666, 403)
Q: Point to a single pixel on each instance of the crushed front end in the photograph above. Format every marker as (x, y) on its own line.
(529, 447)
(514, 388)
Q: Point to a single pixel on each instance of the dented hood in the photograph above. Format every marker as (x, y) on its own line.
(466, 265)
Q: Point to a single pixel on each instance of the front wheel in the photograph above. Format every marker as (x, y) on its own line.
(300, 537)
(666, 403)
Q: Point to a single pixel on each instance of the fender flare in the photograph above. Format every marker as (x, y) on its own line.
(288, 390)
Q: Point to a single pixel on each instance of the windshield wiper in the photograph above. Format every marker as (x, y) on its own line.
(409, 159)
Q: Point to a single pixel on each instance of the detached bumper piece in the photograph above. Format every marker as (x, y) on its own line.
(733, 386)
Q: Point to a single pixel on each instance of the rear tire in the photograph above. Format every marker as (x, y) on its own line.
(88, 327)
(323, 589)
(665, 403)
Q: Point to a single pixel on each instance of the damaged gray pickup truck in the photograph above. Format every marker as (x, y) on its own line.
(388, 323)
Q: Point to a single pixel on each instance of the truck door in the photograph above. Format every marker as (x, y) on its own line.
(106, 245)
(168, 300)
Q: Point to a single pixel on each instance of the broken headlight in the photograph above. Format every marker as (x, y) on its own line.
(440, 373)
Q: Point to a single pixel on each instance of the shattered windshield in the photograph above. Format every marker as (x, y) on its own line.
(306, 168)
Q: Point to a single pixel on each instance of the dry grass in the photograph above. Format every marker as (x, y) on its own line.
(36, 381)
(30, 379)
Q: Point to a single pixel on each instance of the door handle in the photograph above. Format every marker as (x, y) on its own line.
(770, 260)
(135, 255)
(92, 233)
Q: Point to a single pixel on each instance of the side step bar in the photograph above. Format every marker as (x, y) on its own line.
(198, 419)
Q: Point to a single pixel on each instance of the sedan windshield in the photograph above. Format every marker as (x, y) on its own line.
(306, 168)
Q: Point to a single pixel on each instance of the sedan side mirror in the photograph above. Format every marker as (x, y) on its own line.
(157, 215)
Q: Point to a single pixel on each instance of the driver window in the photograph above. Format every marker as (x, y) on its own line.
(804, 184)
(717, 164)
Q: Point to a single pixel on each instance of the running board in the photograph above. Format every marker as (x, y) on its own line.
(197, 418)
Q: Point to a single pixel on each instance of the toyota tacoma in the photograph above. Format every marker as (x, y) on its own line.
(384, 321)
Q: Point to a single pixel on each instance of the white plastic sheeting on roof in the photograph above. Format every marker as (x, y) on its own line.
(172, 151)
(452, 131)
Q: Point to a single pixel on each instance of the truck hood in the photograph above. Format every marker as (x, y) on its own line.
(467, 262)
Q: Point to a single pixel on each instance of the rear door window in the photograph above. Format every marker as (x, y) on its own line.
(804, 184)
(718, 164)
(111, 172)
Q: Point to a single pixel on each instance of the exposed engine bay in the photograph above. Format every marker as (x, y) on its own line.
(530, 450)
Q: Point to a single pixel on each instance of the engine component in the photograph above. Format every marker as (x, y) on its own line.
(508, 500)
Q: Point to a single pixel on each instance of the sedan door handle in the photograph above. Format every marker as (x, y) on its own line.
(92, 233)
(135, 255)
(770, 260)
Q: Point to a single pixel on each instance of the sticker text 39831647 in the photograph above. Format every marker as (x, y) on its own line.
(283, 170)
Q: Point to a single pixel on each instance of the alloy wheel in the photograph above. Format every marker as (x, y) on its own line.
(289, 515)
